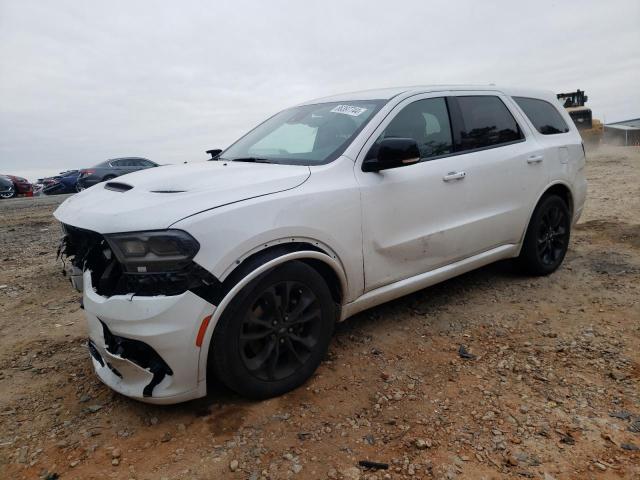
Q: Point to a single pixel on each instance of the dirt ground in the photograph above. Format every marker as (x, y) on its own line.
(553, 390)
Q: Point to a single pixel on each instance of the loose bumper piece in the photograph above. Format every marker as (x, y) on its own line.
(139, 353)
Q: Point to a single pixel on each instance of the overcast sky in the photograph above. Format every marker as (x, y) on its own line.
(83, 81)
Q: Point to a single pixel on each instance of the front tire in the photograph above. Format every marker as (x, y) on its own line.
(274, 333)
(547, 239)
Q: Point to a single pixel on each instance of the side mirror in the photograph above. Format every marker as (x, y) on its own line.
(391, 153)
(214, 153)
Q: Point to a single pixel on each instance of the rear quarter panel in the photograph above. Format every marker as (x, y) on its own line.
(564, 155)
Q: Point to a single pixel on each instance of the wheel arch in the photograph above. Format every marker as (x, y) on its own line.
(257, 263)
(328, 264)
(563, 190)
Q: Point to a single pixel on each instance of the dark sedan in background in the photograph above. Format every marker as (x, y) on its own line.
(21, 186)
(111, 169)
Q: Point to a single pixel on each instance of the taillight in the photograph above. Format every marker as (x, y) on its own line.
(84, 173)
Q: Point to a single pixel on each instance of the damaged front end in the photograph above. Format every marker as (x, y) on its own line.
(139, 263)
(144, 298)
(139, 353)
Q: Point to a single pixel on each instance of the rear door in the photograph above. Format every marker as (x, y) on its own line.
(504, 164)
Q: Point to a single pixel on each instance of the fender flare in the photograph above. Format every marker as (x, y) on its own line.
(219, 310)
(540, 195)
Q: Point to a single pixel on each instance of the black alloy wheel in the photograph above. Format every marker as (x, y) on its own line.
(553, 235)
(275, 332)
(280, 330)
(547, 239)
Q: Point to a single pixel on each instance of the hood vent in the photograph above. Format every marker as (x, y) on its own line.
(117, 186)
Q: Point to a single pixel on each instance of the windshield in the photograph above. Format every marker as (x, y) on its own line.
(305, 135)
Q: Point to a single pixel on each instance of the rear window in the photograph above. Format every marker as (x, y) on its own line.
(542, 115)
(486, 122)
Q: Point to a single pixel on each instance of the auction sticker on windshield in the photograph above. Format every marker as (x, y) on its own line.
(349, 110)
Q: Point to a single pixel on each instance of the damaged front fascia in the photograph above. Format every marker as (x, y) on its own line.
(89, 250)
(139, 353)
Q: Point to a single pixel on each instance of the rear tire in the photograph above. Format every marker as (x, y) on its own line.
(547, 239)
(274, 333)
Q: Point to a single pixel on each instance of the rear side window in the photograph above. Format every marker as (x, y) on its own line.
(484, 121)
(543, 115)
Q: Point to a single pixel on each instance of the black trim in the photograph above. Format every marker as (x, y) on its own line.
(93, 350)
(455, 120)
(139, 353)
(117, 186)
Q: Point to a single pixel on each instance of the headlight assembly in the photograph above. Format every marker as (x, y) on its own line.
(153, 251)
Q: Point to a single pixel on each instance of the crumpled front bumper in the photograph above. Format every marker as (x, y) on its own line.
(166, 324)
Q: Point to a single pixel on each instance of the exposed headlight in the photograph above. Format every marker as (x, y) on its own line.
(153, 251)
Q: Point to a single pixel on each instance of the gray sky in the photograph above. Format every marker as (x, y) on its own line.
(84, 81)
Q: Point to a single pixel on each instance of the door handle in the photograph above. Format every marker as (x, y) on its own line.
(535, 159)
(454, 176)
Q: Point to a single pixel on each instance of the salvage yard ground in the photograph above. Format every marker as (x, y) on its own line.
(553, 390)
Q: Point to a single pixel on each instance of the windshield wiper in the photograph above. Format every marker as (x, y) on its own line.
(252, 159)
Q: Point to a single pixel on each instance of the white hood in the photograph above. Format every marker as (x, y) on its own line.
(194, 188)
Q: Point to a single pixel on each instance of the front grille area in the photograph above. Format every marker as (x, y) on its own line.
(89, 250)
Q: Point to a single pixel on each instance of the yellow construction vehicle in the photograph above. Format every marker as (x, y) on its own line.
(590, 128)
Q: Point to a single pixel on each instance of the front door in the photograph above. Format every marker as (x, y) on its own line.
(465, 196)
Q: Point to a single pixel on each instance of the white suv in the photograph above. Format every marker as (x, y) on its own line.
(240, 267)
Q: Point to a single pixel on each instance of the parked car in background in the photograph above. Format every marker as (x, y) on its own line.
(241, 267)
(21, 186)
(65, 182)
(113, 168)
(7, 190)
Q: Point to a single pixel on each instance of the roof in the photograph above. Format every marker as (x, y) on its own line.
(633, 123)
(621, 127)
(389, 93)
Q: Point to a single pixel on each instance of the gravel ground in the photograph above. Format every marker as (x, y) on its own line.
(552, 390)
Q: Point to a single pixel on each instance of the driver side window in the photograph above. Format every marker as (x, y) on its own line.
(425, 121)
